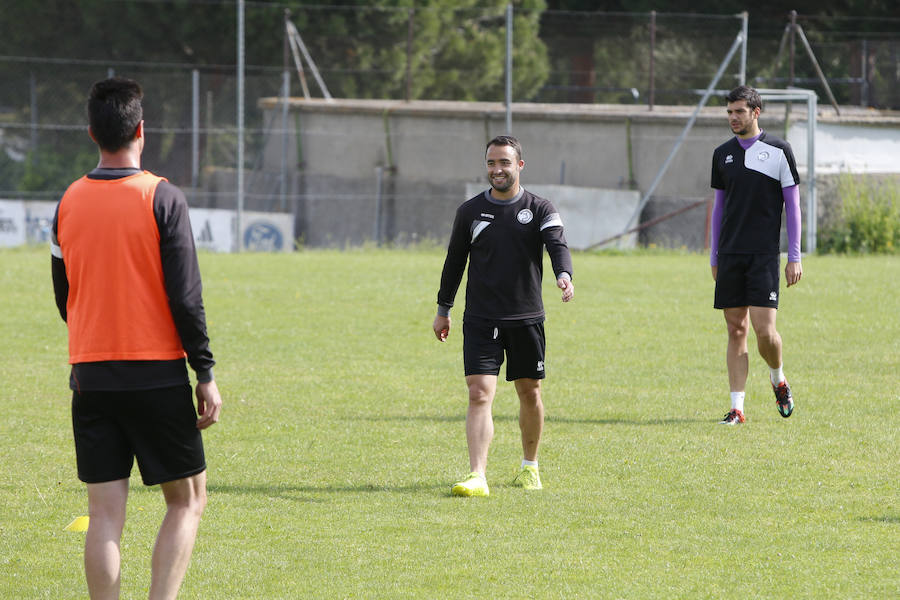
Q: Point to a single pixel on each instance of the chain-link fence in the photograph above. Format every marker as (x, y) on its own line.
(183, 53)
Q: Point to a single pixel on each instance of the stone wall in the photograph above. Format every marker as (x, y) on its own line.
(424, 154)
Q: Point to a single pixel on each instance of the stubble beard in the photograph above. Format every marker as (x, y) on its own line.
(740, 129)
(501, 187)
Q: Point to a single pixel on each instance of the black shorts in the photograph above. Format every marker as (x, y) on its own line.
(484, 345)
(747, 280)
(158, 426)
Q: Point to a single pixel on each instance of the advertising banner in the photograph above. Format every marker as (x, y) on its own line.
(39, 221)
(12, 223)
(262, 232)
(31, 222)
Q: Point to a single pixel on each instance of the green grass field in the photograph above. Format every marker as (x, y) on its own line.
(343, 428)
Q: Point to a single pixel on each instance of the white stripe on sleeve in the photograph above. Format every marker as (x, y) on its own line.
(553, 220)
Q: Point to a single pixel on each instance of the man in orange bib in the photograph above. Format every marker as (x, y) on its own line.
(127, 284)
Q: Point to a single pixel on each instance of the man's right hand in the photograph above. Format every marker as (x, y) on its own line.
(441, 327)
(209, 404)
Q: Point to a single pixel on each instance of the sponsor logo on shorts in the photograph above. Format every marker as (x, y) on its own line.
(773, 296)
(540, 365)
(525, 216)
(729, 159)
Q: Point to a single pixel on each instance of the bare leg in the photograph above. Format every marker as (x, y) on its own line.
(531, 416)
(768, 340)
(479, 422)
(737, 322)
(185, 501)
(102, 559)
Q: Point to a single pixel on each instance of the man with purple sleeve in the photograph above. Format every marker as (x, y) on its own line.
(754, 175)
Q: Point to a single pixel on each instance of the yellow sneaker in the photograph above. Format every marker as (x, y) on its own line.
(528, 478)
(473, 485)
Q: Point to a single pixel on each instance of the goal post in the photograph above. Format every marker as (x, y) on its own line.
(809, 97)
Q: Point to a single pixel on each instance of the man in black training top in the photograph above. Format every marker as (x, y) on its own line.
(754, 176)
(502, 233)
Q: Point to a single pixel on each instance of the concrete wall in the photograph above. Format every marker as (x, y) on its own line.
(590, 216)
(428, 153)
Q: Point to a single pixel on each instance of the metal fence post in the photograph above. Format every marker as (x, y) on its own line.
(240, 126)
(379, 178)
(285, 94)
(195, 128)
(509, 66)
(651, 95)
(811, 203)
(744, 26)
(409, 43)
(33, 116)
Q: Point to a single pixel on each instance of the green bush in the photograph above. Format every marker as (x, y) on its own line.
(49, 169)
(868, 219)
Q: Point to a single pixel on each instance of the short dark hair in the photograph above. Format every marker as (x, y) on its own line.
(114, 112)
(506, 140)
(745, 92)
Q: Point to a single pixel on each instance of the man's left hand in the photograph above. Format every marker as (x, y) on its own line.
(793, 271)
(567, 287)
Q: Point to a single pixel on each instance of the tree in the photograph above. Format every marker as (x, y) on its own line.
(458, 49)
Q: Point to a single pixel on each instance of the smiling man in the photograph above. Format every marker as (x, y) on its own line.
(754, 176)
(502, 233)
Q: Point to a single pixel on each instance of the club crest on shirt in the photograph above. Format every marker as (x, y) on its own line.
(763, 155)
(729, 159)
(525, 216)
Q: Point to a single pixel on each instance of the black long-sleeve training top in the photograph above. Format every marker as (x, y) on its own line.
(503, 243)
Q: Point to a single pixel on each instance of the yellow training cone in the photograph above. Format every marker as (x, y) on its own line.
(79, 524)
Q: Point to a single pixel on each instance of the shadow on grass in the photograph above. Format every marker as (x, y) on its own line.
(548, 419)
(890, 519)
(294, 492)
(621, 421)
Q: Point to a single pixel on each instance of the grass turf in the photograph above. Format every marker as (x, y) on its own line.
(344, 427)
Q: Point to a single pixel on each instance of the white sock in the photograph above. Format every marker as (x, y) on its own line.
(776, 375)
(529, 463)
(737, 401)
